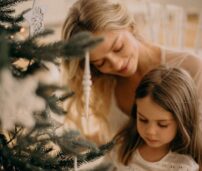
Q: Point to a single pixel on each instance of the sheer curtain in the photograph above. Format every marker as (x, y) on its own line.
(173, 23)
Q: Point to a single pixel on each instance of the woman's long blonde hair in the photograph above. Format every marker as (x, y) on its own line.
(93, 15)
(174, 90)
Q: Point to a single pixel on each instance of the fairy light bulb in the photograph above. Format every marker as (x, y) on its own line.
(87, 85)
(22, 30)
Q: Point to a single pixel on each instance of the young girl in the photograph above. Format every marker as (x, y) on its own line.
(163, 132)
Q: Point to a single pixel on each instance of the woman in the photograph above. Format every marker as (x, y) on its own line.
(117, 66)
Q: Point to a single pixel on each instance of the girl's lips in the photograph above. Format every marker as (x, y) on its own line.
(151, 140)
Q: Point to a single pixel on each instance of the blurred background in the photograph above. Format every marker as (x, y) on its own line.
(173, 23)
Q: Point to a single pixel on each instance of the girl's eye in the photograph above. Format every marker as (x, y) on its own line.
(118, 48)
(162, 126)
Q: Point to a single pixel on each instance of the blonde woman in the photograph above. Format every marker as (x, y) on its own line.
(163, 133)
(117, 66)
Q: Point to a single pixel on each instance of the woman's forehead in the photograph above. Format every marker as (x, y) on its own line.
(105, 46)
(108, 33)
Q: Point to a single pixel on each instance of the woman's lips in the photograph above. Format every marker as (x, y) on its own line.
(124, 68)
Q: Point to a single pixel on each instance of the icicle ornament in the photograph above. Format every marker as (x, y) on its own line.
(87, 85)
(75, 164)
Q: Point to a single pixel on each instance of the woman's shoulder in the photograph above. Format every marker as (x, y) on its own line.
(183, 59)
(171, 54)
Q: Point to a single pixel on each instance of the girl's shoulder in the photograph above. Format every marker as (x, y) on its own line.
(172, 162)
(181, 161)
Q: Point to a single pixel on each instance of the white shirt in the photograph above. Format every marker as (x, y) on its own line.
(170, 162)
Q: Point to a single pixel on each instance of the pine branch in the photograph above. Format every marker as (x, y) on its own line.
(14, 135)
(95, 154)
(52, 101)
(22, 72)
(40, 35)
(86, 157)
(30, 150)
(6, 17)
(65, 96)
(7, 11)
(9, 3)
(76, 47)
(81, 42)
(8, 161)
(10, 29)
(4, 51)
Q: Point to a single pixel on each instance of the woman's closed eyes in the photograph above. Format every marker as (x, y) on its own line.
(118, 47)
(99, 63)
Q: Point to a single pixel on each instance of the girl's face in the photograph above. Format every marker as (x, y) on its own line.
(117, 54)
(155, 125)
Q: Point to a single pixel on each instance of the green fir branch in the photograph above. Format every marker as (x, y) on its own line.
(95, 154)
(6, 17)
(74, 48)
(46, 92)
(10, 29)
(7, 11)
(29, 150)
(4, 49)
(10, 3)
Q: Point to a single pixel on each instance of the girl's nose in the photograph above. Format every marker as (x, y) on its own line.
(151, 129)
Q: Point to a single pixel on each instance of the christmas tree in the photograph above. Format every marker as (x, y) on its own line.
(28, 136)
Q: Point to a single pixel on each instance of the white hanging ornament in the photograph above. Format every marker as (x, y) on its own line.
(87, 85)
(75, 164)
(35, 17)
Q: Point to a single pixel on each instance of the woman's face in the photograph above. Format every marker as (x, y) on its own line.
(117, 54)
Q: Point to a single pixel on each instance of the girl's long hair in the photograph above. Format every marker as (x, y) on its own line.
(174, 90)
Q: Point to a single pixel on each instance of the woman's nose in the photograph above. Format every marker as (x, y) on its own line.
(115, 61)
